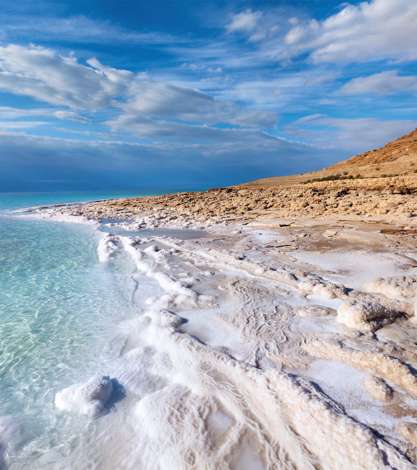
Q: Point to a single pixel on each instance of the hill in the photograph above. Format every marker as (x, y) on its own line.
(394, 159)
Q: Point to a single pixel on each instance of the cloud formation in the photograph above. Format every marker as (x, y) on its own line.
(47, 76)
(369, 31)
(76, 29)
(64, 164)
(245, 21)
(162, 110)
(383, 83)
(149, 109)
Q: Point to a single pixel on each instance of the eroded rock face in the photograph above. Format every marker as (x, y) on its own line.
(88, 399)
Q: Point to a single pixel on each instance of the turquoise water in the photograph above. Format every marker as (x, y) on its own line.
(19, 200)
(58, 308)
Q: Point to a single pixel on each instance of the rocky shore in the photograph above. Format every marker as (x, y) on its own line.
(388, 199)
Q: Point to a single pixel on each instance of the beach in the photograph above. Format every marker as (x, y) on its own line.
(208, 235)
(262, 338)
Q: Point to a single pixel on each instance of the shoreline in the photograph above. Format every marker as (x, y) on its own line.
(389, 199)
(302, 313)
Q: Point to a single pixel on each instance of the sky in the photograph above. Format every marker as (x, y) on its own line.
(176, 94)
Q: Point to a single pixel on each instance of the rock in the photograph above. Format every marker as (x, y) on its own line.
(330, 233)
(88, 399)
(366, 315)
(342, 192)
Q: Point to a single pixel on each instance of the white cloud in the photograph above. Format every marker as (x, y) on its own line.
(45, 75)
(278, 92)
(186, 133)
(246, 21)
(370, 30)
(16, 125)
(147, 108)
(69, 115)
(384, 83)
(256, 25)
(157, 109)
(8, 112)
(77, 29)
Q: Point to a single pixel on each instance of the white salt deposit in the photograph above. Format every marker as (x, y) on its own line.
(356, 267)
(345, 384)
(219, 366)
(88, 399)
(108, 245)
(149, 265)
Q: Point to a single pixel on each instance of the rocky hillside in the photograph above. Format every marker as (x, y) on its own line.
(397, 158)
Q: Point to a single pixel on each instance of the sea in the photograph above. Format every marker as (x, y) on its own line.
(58, 308)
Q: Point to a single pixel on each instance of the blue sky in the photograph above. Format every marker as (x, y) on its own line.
(187, 94)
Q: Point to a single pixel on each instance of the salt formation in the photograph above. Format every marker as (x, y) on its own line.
(107, 247)
(247, 399)
(366, 315)
(261, 361)
(88, 399)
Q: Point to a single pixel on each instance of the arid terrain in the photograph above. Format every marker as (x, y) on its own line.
(285, 332)
(378, 184)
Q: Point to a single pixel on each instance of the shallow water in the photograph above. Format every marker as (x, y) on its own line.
(58, 308)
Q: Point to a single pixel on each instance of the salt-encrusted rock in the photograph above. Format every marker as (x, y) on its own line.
(366, 315)
(88, 399)
(322, 288)
(378, 388)
(107, 247)
(170, 319)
